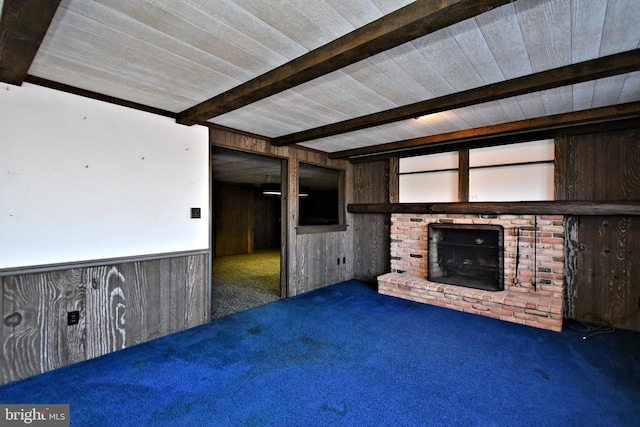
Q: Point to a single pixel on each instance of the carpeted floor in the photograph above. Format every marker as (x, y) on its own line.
(241, 282)
(346, 356)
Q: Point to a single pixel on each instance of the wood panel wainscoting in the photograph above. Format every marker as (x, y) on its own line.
(120, 303)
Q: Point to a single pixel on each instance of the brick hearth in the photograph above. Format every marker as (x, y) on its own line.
(521, 302)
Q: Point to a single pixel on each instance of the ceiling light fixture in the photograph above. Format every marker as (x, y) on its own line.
(274, 190)
(271, 190)
(304, 192)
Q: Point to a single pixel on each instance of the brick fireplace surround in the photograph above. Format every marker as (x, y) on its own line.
(520, 302)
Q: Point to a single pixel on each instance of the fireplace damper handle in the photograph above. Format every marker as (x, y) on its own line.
(535, 253)
(515, 277)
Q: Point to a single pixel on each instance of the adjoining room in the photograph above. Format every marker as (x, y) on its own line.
(247, 231)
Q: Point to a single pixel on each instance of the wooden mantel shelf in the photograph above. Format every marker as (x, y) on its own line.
(555, 207)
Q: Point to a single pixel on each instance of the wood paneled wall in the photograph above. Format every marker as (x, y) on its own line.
(371, 232)
(266, 220)
(120, 305)
(246, 220)
(233, 211)
(321, 259)
(604, 270)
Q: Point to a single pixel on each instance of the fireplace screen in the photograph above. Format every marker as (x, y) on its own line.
(467, 255)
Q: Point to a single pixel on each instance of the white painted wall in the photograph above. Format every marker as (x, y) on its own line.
(507, 183)
(533, 151)
(512, 183)
(82, 179)
(430, 162)
(440, 186)
(432, 187)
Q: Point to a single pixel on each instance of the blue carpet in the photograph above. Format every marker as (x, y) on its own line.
(344, 355)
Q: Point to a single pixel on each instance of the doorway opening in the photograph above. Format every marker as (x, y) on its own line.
(245, 281)
(248, 247)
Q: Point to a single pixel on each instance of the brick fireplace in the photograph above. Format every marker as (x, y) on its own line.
(534, 298)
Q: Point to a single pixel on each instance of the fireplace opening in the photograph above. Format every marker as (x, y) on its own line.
(469, 255)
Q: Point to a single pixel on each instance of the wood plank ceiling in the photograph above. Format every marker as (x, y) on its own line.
(348, 77)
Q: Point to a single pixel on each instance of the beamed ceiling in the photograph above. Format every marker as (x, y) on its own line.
(351, 78)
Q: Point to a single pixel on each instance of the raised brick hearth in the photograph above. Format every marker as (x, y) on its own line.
(522, 302)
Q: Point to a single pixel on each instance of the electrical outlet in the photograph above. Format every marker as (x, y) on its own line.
(195, 213)
(73, 318)
(338, 261)
(344, 259)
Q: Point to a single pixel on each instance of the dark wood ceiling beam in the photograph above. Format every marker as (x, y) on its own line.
(607, 66)
(457, 145)
(415, 20)
(557, 121)
(23, 25)
(98, 96)
(550, 207)
(503, 139)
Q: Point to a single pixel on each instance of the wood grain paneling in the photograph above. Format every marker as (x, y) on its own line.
(604, 281)
(394, 180)
(153, 278)
(233, 219)
(371, 232)
(197, 306)
(169, 313)
(178, 295)
(120, 305)
(320, 261)
(266, 220)
(284, 230)
(138, 293)
(106, 315)
(571, 248)
(604, 166)
(34, 308)
(561, 168)
(294, 252)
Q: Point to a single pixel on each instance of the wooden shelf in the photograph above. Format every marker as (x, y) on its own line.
(555, 207)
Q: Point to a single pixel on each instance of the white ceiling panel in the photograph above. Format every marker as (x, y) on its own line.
(546, 30)
(174, 54)
(475, 47)
(630, 88)
(621, 27)
(502, 32)
(507, 42)
(587, 21)
(550, 102)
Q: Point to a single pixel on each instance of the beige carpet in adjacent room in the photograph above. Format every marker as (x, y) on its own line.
(244, 281)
